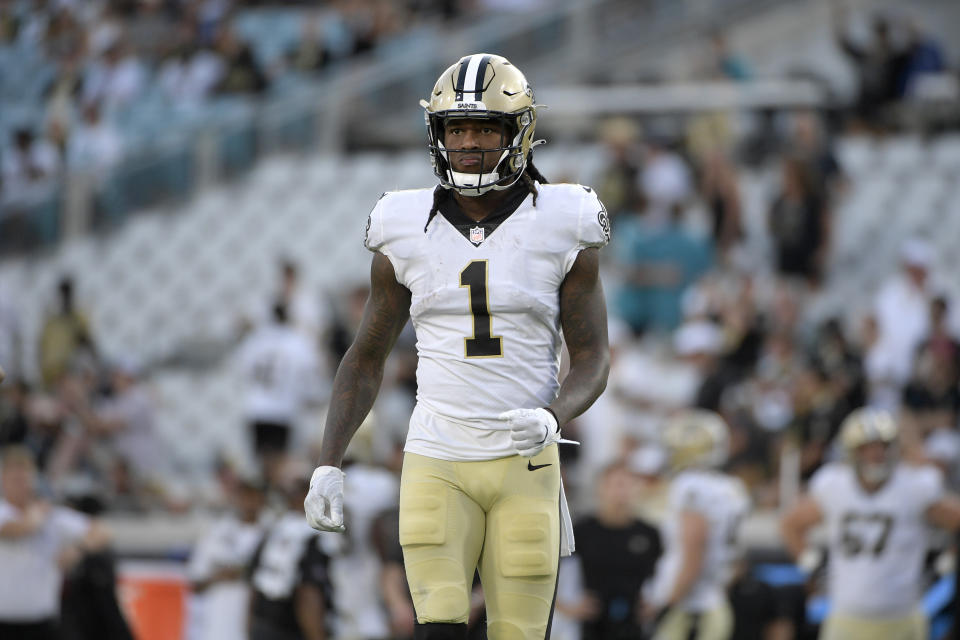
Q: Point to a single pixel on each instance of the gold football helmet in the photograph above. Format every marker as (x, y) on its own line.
(865, 426)
(482, 86)
(696, 438)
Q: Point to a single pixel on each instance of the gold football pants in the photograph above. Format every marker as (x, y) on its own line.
(499, 516)
(844, 627)
(715, 624)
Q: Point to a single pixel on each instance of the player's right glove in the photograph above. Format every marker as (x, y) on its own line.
(532, 430)
(324, 502)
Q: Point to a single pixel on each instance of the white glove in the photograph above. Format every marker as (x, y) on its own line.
(324, 502)
(532, 430)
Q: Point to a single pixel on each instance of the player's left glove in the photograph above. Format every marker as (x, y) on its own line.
(323, 505)
(532, 430)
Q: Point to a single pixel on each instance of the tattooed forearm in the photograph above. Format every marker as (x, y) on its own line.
(358, 378)
(583, 315)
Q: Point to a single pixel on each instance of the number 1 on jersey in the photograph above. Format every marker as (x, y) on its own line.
(482, 344)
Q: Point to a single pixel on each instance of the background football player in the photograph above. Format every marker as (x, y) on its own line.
(704, 510)
(490, 266)
(876, 509)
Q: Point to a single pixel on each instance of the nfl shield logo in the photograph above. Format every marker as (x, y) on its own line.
(476, 235)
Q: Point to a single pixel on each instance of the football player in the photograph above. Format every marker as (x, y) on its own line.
(490, 266)
(876, 510)
(704, 511)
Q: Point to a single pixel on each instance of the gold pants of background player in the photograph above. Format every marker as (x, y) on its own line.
(843, 627)
(715, 624)
(499, 516)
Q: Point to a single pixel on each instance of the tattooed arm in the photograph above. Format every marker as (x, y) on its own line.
(358, 378)
(583, 316)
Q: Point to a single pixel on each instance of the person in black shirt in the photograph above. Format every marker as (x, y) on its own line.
(291, 592)
(618, 553)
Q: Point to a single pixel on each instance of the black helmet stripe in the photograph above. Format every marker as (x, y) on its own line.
(481, 74)
(461, 77)
(473, 71)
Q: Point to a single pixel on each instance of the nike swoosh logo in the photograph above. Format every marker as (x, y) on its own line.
(510, 94)
(534, 467)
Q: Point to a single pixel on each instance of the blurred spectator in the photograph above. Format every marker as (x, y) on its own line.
(61, 100)
(932, 396)
(618, 553)
(369, 489)
(37, 542)
(189, 75)
(726, 64)
(95, 145)
(309, 53)
(720, 189)
(115, 80)
(289, 575)
(880, 65)
(902, 309)
(306, 312)
(123, 425)
(242, 74)
(924, 56)
(27, 163)
(14, 420)
(65, 336)
(219, 562)
(810, 145)
(658, 260)
(280, 369)
(11, 335)
(617, 183)
(665, 181)
(798, 223)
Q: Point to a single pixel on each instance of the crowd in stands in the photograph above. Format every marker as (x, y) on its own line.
(694, 323)
(74, 71)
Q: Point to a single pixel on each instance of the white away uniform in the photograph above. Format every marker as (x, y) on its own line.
(877, 543)
(486, 312)
(485, 305)
(723, 501)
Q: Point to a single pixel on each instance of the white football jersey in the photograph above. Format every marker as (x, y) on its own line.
(281, 371)
(723, 501)
(877, 541)
(485, 307)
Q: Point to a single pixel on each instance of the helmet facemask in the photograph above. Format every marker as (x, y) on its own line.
(511, 156)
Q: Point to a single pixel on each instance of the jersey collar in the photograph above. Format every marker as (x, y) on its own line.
(476, 232)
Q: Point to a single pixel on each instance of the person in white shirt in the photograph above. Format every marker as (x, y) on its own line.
(36, 540)
(219, 563)
(877, 510)
(281, 372)
(687, 599)
(902, 312)
(29, 162)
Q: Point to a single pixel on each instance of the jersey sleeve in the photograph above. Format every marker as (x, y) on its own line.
(374, 238)
(593, 225)
(70, 525)
(927, 487)
(821, 484)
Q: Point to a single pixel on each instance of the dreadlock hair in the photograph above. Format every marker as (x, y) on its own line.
(529, 176)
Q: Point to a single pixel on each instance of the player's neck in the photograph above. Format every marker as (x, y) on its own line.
(479, 207)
